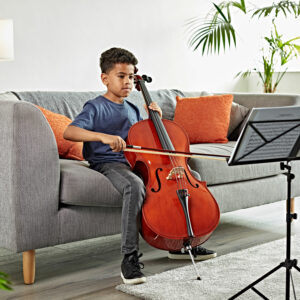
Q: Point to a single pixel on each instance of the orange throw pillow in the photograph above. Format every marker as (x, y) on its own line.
(58, 124)
(205, 119)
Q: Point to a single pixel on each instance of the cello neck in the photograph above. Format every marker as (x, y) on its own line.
(154, 116)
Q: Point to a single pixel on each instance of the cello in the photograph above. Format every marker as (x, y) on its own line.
(179, 212)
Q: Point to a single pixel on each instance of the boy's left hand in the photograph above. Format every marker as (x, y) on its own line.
(154, 106)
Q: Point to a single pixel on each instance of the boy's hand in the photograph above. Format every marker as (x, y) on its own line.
(154, 106)
(115, 142)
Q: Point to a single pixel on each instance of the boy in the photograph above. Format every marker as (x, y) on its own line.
(103, 126)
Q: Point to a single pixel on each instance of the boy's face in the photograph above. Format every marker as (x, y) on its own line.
(119, 82)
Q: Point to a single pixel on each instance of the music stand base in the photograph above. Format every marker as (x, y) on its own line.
(288, 263)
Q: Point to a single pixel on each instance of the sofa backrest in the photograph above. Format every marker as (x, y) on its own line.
(65, 103)
(257, 100)
(266, 100)
(70, 103)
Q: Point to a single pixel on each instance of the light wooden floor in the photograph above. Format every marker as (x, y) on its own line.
(90, 269)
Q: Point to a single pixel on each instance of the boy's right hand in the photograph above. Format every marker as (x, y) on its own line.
(115, 142)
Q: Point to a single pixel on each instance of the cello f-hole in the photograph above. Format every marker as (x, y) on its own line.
(187, 177)
(158, 181)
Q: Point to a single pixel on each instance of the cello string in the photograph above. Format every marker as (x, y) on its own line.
(161, 131)
(163, 137)
(181, 184)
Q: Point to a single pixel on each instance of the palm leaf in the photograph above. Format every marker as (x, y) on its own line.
(223, 38)
(219, 38)
(244, 74)
(220, 12)
(289, 41)
(204, 45)
(241, 5)
(217, 32)
(297, 47)
(210, 41)
(282, 6)
(211, 35)
(260, 76)
(279, 77)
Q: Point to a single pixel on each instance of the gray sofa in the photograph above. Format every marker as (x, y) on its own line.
(46, 201)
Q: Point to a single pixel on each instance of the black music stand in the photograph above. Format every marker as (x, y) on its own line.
(270, 135)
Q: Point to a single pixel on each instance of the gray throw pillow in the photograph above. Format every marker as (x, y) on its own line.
(238, 130)
(237, 115)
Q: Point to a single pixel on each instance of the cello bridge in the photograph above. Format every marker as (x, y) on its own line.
(176, 173)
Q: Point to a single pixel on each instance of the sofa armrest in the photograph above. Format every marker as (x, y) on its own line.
(266, 100)
(29, 178)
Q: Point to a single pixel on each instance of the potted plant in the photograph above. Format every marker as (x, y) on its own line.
(276, 54)
(218, 31)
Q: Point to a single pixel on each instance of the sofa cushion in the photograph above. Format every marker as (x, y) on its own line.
(238, 114)
(80, 185)
(238, 130)
(205, 119)
(218, 172)
(58, 124)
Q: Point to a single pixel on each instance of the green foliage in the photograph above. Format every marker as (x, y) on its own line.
(4, 282)
(285, 7)
(218, 31)
(278, 52)
(215, 32)
(212, 34)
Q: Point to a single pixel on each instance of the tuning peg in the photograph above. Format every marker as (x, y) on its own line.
(147, 78)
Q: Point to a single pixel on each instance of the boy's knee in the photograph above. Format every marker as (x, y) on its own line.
(138, 186)
(135, 185)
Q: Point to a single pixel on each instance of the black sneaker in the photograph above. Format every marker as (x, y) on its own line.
(131, 269)
(198, 252)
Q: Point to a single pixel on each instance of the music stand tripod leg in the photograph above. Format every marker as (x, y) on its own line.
(297, 268)
(288, 263)
(250, 286)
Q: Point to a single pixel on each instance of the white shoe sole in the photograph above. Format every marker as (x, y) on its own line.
(134, 280)
(187, 256)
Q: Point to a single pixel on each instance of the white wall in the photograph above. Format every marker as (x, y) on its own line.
(58, 43)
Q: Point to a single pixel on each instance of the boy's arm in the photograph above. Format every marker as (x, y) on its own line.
(77, 134)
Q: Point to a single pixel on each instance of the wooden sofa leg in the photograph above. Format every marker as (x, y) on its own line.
(29, 266)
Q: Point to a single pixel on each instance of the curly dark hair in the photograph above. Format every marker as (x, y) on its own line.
(114, 56)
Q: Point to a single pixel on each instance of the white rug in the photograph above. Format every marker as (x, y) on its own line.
(224, 276)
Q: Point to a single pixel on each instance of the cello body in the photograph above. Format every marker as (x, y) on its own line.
(178, 210)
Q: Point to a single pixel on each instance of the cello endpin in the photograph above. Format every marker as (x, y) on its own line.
(193, 262)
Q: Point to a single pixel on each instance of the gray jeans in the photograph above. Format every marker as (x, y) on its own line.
(132, 188)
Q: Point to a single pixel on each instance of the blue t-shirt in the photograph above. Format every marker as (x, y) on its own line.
(105, 116)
